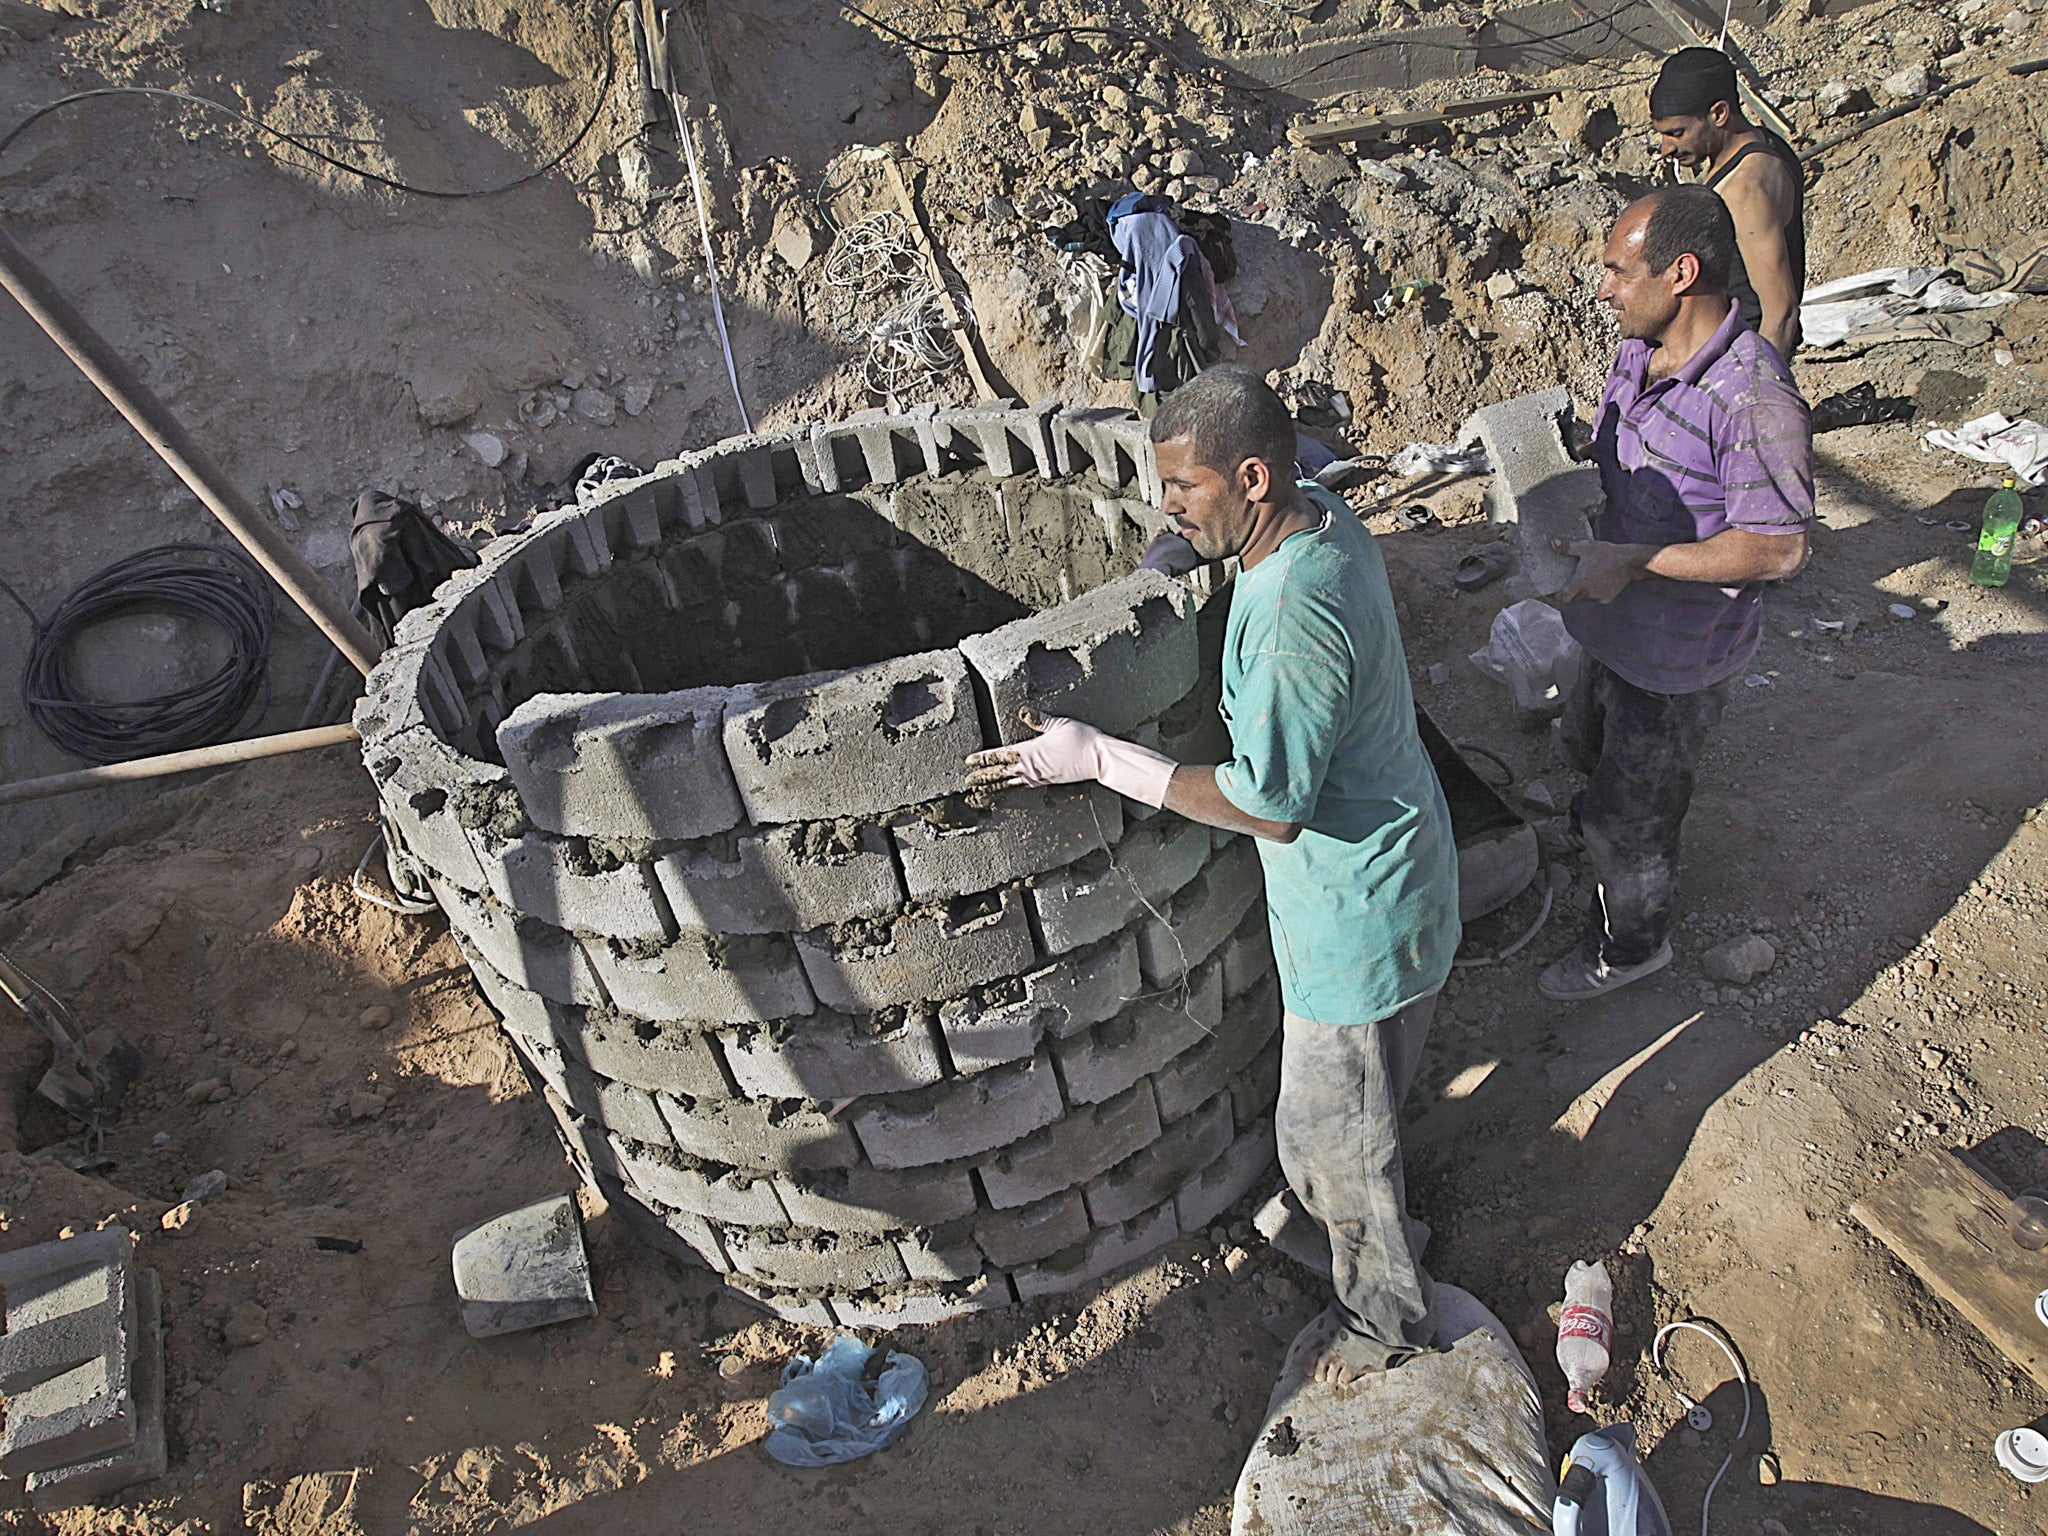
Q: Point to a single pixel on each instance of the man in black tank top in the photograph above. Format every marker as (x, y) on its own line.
(1697, 113)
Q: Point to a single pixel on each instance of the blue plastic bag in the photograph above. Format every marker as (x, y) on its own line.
(824, 1413)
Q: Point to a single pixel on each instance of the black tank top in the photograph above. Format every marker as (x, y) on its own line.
(1739, 287)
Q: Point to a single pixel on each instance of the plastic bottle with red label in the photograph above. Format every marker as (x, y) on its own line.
(1585, 1330)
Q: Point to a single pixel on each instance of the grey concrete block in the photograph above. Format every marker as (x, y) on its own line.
(683, 1235)
(1102, 1062)
(648, 765)
(725, 1197)
(961, 847)
(928, 953)
(58, 1321)
(1097, 896)
(782, 880)
(1107, 1251)
(1157, 1173)
(756, 1136)
(1115, 657)
(1536, 486)
(1113, 443)
(1006, 1020)
(960, 1118)
(1198, 1074)
(525, 951)
(709, 978)
(831, 1056)
(1202, 916)
(1229, 1179)
(1255, 1090)
(616, 1106)
(910, 1309)
(751, 473)
(1068, 1152)
(1009, 442)
(523, 1269)
(937, 1261)
(112, 1244)
(1248, 953)
(75, 1401)
(855, 742)
(646, 1055)
(790, 1306)
(92, 1480)
(425, 786)
(584, 1142)
(826, 1264)
(558, 882)
(1033, 1231)
(521, 1012)
(865, 1199)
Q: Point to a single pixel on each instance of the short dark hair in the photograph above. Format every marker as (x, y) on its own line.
(1690, 221)
(1228, 415)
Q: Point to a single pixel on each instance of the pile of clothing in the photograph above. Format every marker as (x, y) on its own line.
(1143, 283)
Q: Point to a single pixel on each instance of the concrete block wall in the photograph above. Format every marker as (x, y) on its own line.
(873, 1049)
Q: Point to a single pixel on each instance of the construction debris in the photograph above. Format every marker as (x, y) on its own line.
(524, 1269)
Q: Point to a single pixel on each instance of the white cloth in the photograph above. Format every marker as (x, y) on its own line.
(2020, 445)
(1835, 311)
(1439, 459)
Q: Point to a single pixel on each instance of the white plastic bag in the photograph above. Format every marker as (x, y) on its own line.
(1530, 651)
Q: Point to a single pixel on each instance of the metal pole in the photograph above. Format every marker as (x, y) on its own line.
(176, 447)
(177, 762)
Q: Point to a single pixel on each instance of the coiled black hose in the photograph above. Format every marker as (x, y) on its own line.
(221, 587)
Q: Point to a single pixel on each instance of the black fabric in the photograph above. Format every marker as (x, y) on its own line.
(1739, 288)
(400, 558)
(1691, 81)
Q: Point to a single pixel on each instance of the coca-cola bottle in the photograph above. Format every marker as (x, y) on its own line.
(1585, 1330)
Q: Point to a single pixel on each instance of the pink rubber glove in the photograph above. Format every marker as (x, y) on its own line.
(1069, 752)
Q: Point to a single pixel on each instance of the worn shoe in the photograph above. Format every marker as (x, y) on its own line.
(1577, 979)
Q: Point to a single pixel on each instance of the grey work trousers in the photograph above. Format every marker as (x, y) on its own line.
(1339, 1128)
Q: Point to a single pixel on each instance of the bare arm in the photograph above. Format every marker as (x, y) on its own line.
(1761, 205)
(1733, 557)
(1193, 793)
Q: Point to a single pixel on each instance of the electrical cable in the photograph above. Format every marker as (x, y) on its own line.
(923, 45)
(215, 586)
(1720, 1336)
(362, 172)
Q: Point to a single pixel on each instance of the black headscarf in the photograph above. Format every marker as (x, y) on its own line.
(1692, 80)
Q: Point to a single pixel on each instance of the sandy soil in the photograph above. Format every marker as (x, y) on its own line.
(1867, 808)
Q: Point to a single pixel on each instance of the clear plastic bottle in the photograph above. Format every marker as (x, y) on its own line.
(1585, 1330)
(1993, 563)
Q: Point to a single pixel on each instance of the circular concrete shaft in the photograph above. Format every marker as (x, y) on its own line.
(684, 768)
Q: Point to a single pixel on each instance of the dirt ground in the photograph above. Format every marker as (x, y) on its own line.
(1867, 805)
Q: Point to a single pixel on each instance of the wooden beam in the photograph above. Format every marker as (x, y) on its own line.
(177, 762)
(955, 321)
(1377, 125)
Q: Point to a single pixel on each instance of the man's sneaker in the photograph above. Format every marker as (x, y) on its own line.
(1577, 978)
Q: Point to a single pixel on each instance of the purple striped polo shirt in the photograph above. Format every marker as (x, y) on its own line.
(1724, 442)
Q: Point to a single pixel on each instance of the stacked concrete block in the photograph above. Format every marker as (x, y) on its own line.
(876, 1050)
(81, 1369)
(1536, 485)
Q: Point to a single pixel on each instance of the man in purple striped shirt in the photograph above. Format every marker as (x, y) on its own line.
(1706, 457)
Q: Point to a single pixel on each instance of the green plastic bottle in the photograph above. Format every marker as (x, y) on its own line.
(1994, 545)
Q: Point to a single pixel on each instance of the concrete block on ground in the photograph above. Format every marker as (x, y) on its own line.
(1104, 1061)
(863, 1199)
(524, 1269)
(909, 1309)
(560, 883)
(112, 1244)
(962, 848)
(1033, 1231)
(646, 1055)
(1202, 916)
(852, 743)
(60, 1320)
(1198, 1074)
(1072, 1150)
(645, 765)
(823, 1263)
(1536, 485)
(709, 978)
(1157, 1173)
(1108, 1250)
(961, 1117)
(725, 1197)
(757, 1136)
(782, 880)
(69, 1355)
(830, 1056)
(1006, 1020)
(1228, 1179)
(525, 951)
(93, 1479)
(928, 953)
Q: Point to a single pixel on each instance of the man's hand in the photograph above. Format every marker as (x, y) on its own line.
(1604, 569)
(1064, 752)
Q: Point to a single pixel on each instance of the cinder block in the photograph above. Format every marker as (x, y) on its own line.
(937, 1261)
(92, 1480)
(424, 785)
(855, 742)
(931, 952)
(1097, 896)
(683, 1235)
(1107, 1251)
(1248, 953)
(826, 1264)
(910, 1309)
(58, 1321)
(1228, 1179)
(1010, 442)
(760, 1137)
(1255, 1090)
(1536, 485)
(961, 847)
(584, 1142)
(751, 473)
(1151, 1032)
(70, 1336)
(1114, 657)
(1198, 1074)
(782, 880)
(790, 1306)
(960, 1118)
(1068, 1152)
(1006, 1020)
(560, 883)
(646, 1055)
(709, 978)
(728, 1197)
(521, 1012)
(616, 1106)
(1113, 443)
(837, 1056)
(1202, 916)
(112, 1244)
(644, 765)
(525, 951)
(863, 1199)
(1157, 1173)
(1033, 1231)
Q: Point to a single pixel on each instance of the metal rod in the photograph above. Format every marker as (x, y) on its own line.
(177, 448)
(176, 762)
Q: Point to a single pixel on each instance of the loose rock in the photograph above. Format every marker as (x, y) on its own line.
(1739, 961)
(247, 1326)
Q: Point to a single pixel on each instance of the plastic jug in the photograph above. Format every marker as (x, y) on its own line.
(1605, 1491)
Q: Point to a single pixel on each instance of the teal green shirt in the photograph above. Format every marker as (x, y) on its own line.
(1364, 903)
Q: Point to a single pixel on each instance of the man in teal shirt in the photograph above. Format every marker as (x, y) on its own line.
(1329, 774)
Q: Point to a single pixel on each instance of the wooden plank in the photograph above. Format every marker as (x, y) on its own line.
(963, 338)
(1373, 125)
(1945, 1217)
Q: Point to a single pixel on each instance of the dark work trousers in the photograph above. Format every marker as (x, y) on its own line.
(1339, 1128)
(1640, 752)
